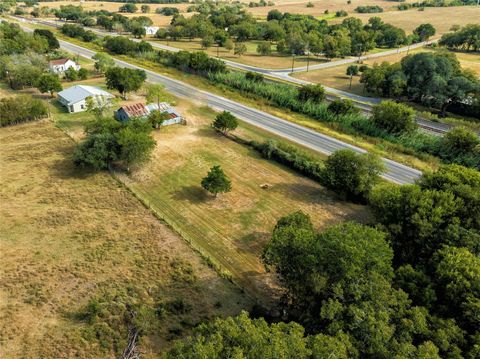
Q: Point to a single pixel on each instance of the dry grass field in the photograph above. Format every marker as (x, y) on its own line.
(442, 18)
(158, 19)
(68, 237)
(109, 6)
(300, 7)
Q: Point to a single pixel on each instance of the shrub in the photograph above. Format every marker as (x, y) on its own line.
(394, 117)
(342, 107)
(254, 76)
(20, 109)
(314, 93)
(352, 174)
(368, 9)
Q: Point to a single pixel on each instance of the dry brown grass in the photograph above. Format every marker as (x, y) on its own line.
(442, 18)
(300, 7)
(67, 237)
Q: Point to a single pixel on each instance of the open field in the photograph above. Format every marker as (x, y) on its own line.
(232, 229)
(442, 18)
(300, 6)
(335, 76)
(69, 237)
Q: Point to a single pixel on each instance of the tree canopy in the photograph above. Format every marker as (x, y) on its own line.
(125, 80)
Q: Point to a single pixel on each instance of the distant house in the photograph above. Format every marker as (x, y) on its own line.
(74, 98)
(151, 30)
(139, 110)
(61, 65)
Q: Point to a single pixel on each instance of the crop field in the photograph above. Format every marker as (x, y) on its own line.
(68, 237)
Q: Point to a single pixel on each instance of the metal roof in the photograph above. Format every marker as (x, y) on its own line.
(78, 93)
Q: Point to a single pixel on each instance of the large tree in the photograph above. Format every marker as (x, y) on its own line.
(339, 281)
(125, 80)
(108, 142)
(49, 82)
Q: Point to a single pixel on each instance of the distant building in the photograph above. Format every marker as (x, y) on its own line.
(151, 30)
(139, 110)
(74, 98)
(61, 65)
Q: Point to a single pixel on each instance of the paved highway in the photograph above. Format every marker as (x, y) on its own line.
(396, 172)
(363, 103)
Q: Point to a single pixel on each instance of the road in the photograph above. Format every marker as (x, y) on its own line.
(363, 103)
(396, 172)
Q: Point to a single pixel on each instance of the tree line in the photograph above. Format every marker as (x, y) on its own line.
(432, 79)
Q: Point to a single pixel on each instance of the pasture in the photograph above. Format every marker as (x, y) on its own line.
(232, 229)
(69, 237)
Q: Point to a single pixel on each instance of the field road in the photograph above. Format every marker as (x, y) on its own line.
(363, 103)
(316, 141)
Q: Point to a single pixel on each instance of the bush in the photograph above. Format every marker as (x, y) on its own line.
(342, 107)
(20, 109)
(394, 117)
(368, 9)
(254, 76)
(167, 11)
(313, 93)
(352, 174)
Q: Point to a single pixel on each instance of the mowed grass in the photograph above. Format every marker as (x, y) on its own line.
(233, 228)
(336, 76)
(68, 237)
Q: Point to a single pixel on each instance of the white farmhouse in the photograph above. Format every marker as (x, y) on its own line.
(151, 30)
(74, 98)
(61, 65)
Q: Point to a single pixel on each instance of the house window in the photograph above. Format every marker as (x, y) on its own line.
(82, 106)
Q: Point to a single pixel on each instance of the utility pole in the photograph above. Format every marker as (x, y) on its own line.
(293, 60)
(218, 48)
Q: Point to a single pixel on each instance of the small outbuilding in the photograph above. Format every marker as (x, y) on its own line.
(74, 98)
(62, 65)
(151, 30)
(140, 110)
